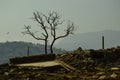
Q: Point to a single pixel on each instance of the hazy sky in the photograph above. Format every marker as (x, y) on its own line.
(88, 15)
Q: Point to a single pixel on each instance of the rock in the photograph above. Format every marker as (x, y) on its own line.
(63, 55)
(102, 77)
(113, 75)
(100, 73)
(95, 77)
(12, 70)
(6, 73)
(115, 68)
(28, 78)
(20, 72)
(37, 75)
(99, 69)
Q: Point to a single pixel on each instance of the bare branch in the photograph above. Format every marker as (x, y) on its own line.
(70, 28)
(68, 31)
(39, 18)
(52, 22)
(44, 35)
(28, 31)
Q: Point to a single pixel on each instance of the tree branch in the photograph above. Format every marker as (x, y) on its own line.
(28, 31)
(68, 31)
(41, 21)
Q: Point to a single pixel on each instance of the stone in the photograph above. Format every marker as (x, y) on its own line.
(102, 77)
(6, 73)
(99, 69)
(95, 77)
(20, 72)
(115, 69)
(100, 73)
(113, 75)
(12, 70)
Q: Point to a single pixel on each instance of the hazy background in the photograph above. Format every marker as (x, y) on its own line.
(88, 15)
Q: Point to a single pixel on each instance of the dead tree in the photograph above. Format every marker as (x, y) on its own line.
(39, 18)
(49, 23)
(54, 20)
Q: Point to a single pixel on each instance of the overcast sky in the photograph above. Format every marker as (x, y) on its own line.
(88, 15)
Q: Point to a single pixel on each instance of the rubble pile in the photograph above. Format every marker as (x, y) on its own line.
(89, 65)
(83, 59)
(33, 73)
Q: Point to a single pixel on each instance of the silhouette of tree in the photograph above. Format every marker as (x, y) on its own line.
(40, 20)
(54, 20)
(49, 23)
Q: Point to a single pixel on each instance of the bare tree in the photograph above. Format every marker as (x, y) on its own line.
(39, 18)
(54, 20)
(49, 22)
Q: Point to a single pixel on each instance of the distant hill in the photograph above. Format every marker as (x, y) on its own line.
(18, 49)
(90, 40)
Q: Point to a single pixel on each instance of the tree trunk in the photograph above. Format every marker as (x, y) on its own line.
(45, 47)
(51, 46)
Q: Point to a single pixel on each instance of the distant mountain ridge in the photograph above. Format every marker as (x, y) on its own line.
(90, 40)
(18, 49)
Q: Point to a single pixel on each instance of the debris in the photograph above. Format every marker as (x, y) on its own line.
(113, 75)
(115, 68)
(102, 77)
